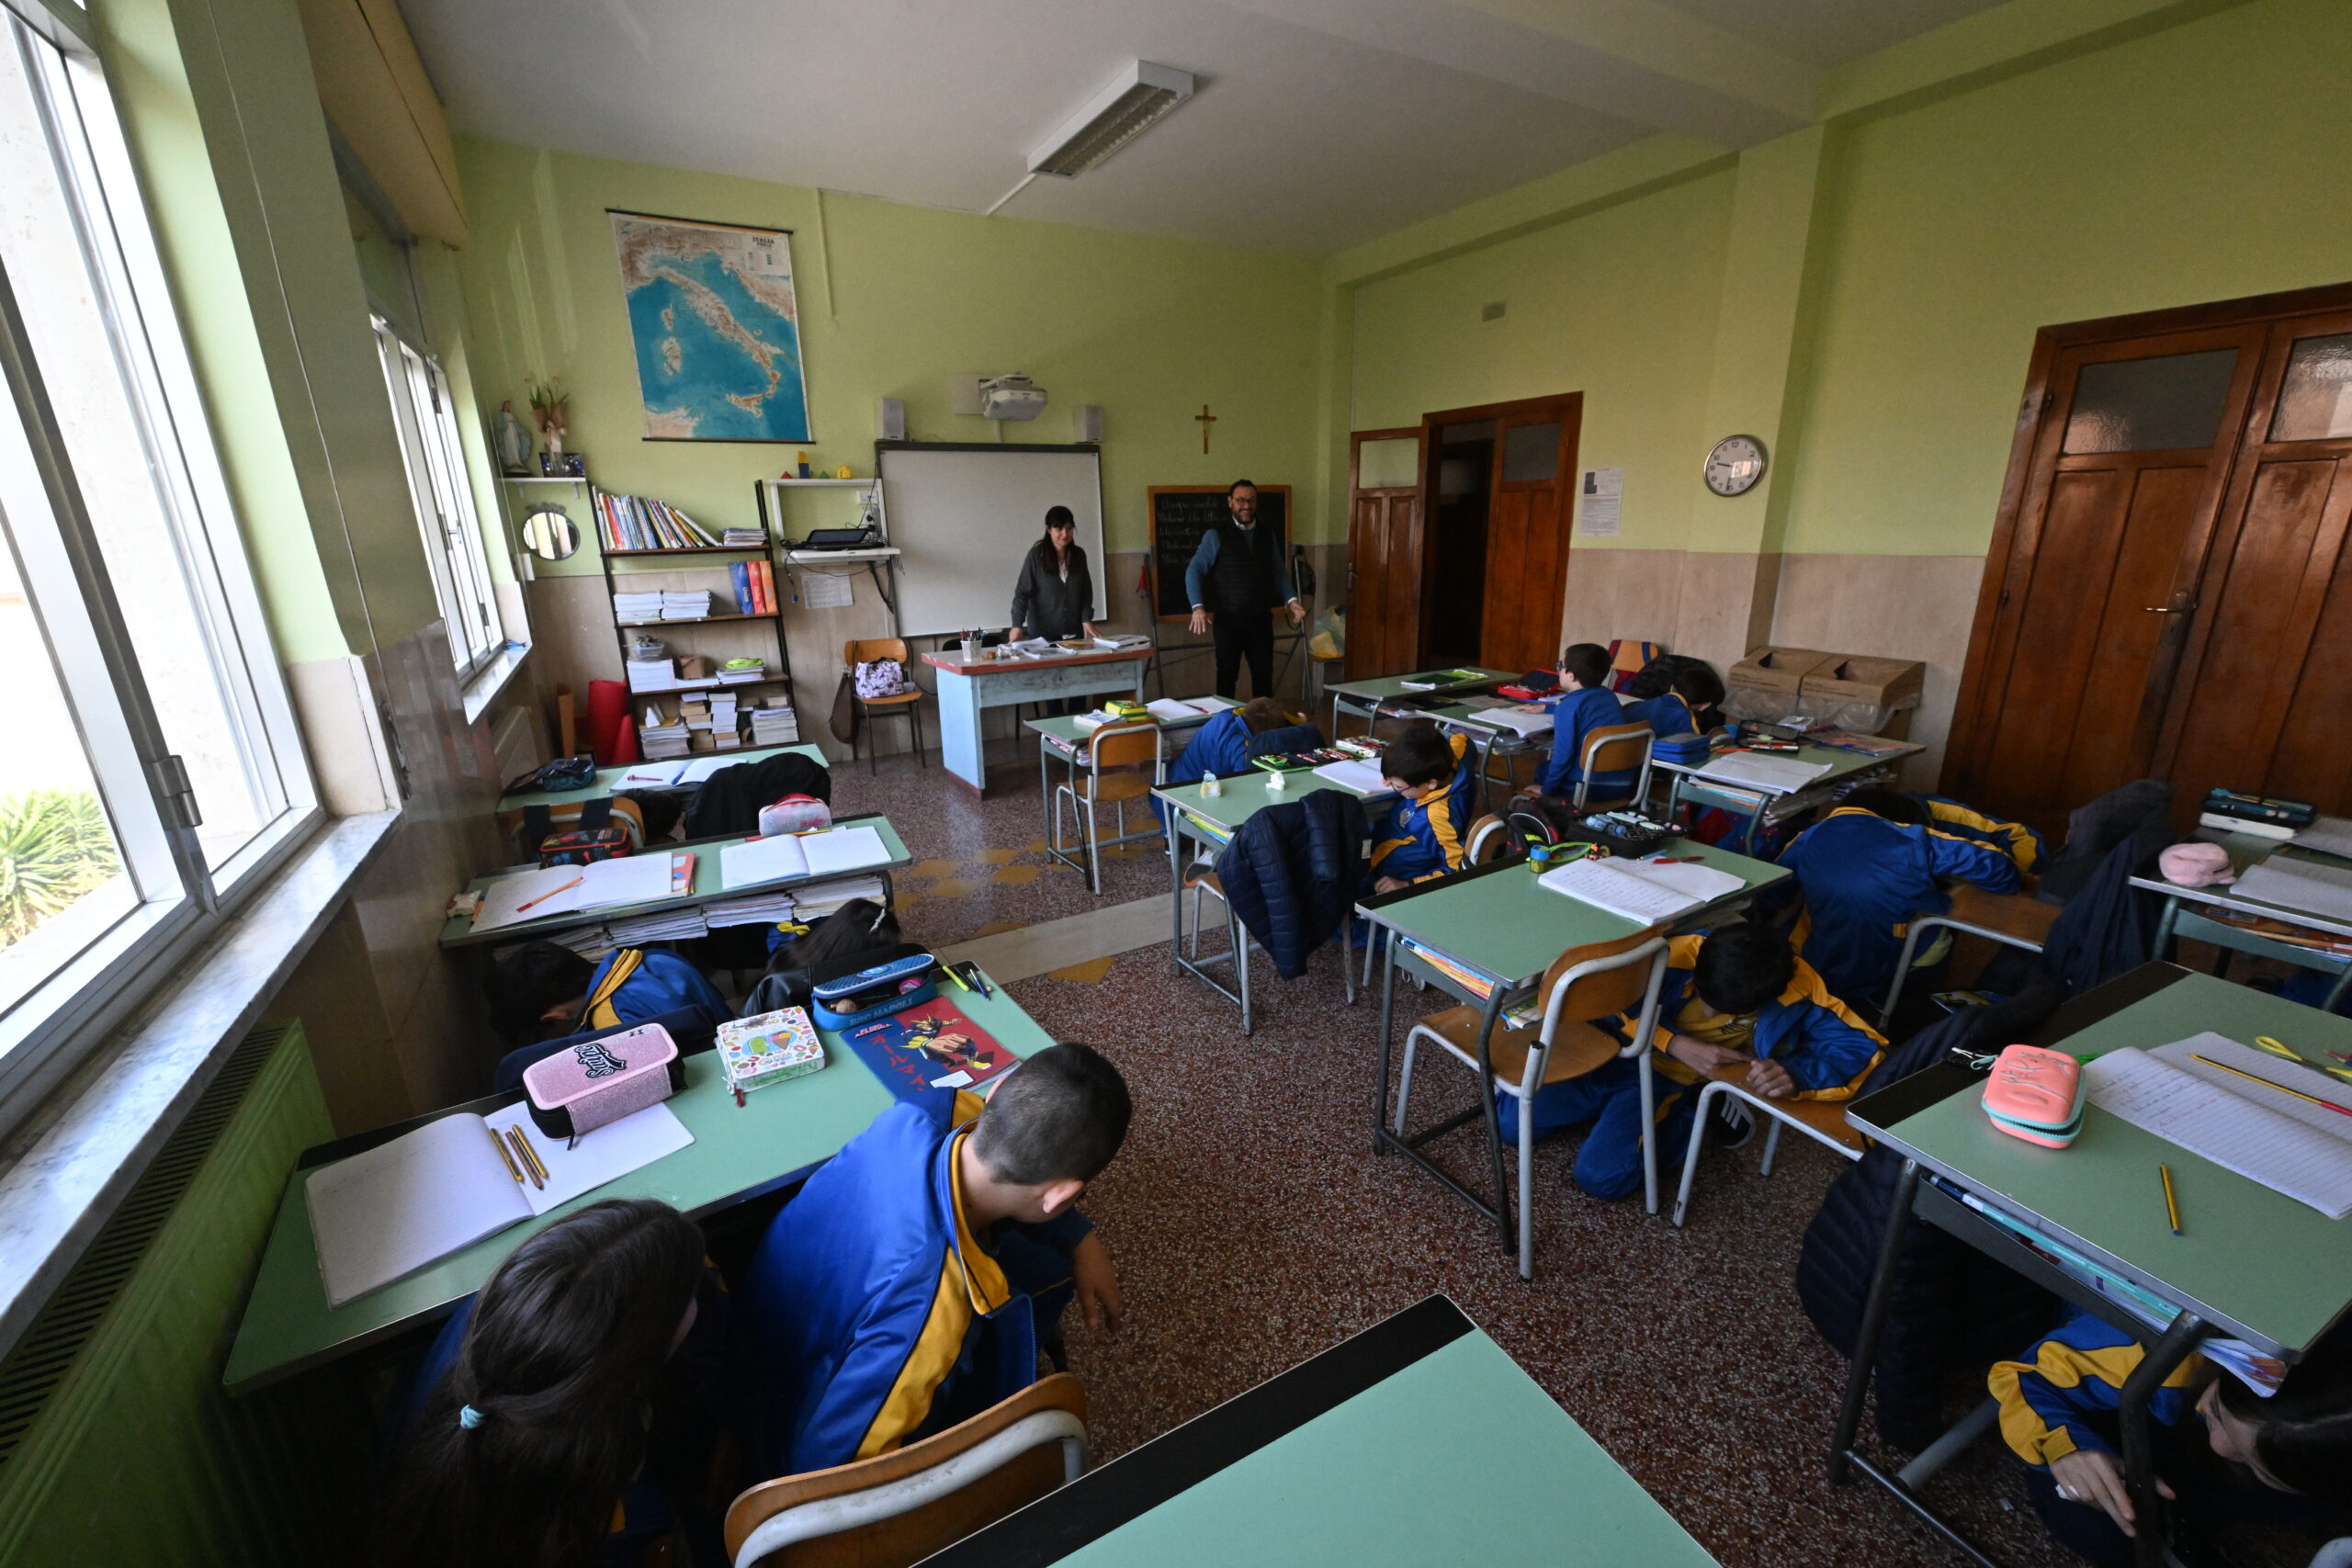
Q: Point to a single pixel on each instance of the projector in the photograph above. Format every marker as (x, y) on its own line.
(1011, 396)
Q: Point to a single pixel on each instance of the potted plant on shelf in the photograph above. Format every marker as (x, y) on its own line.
(550, 407)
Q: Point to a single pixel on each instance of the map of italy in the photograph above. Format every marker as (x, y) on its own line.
(717, 334)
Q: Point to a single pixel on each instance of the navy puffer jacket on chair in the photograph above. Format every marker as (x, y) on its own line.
(1291, 871)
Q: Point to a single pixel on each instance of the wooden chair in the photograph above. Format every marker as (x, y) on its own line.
(1600, 980)
(898, 1508)
(1822, 1120)
(1613, 748)
(865, 651)
(1486, 841)
(1113, 759)
(2012, 920)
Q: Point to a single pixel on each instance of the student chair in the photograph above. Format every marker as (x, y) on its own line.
(865, 651)
(2012, 920)
(1487, 840)
(898, 1508)
(1596, 981)
(1614, 748)
(1238, 942)
(1822, 1120)
(1112, 758)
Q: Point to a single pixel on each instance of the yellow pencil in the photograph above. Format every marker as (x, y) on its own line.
(508, 1156)
(550, 893)
(514, 1136)
(2172, 1204)
(2266, 1083)
(532, 1150)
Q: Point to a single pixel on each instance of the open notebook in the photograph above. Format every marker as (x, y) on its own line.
(386, 1212)
(1758, 770)
(782, 855)
(2316, 887)
(2287, 1145)
(564, 889)
(1365, 778)
(1641, 891)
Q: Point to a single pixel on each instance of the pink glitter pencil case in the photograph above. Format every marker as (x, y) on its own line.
(603, 1079)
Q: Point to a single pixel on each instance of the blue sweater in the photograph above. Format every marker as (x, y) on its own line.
(1422, 838)
(635, 984)
(1576, 716)
(1826, 1050)
(2071, 1382)
(1864, 879)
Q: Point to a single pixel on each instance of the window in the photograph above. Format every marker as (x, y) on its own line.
(149, 765)
(445, 507)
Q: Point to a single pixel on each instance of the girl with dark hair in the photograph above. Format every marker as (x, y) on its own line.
(566, 1391)
(1056, 591)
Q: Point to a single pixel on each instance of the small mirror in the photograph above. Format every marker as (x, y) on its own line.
(549, 533)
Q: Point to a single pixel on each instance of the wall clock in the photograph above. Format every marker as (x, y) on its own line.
(1735, 464)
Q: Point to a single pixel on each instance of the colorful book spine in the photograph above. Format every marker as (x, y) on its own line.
(743, 579)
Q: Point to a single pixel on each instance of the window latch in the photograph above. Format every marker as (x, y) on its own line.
(168, 776)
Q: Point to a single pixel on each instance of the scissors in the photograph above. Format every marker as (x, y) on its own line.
(2279, 1048)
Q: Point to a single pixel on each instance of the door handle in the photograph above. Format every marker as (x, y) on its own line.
(2167, 609)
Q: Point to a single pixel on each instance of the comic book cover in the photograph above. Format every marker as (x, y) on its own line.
(930, 1046)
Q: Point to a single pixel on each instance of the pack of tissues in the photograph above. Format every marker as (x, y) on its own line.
(2036, 1095)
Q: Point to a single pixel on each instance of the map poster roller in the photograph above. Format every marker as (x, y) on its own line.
(716, 328)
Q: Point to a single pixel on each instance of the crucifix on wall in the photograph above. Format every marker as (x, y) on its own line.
(1204, 419)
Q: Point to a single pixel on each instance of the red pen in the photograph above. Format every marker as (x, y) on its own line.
(1679, 860)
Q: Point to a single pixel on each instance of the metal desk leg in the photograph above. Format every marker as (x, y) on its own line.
(2132, 1416)
(2336, 992)
(1388, 1018)
(2164, 926)
(1176, 886)
(1873, 1324)
(1492, 1117)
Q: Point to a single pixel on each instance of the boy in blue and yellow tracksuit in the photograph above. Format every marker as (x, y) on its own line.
(1876, 862)
(1587, 704)
(634, 983)
(1732, 997)
(909, 1285)
(1421, 836)
(544, 988)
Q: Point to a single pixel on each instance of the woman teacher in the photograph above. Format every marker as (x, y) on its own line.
(1054, 593)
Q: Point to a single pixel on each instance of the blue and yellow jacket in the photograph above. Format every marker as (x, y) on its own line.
(872, 1299)
(634, 983)
(2015, 839)
(1220, 747)
(1826, 1048)
(1574, 716)
(1666, 714)
(1421, 838)
(2068, 1386)
(1864, 879)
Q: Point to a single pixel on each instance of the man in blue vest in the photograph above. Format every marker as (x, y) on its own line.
(1238, 576)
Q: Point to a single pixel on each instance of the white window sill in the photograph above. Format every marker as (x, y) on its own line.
(483, 689)
(64, 1170)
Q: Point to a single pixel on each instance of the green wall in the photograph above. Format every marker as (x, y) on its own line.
(1619, 305)
(2205, 162)
(893, 302)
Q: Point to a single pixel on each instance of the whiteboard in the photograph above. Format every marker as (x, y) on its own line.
(963, 517)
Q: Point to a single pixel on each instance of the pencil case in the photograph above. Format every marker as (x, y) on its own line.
(603, 1079)
(2036, 1095)
(875, 992)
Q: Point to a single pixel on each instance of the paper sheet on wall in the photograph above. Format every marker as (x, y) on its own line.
(826, 591)
(1600, 503)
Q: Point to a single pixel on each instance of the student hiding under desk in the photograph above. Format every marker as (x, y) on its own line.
(1421, 836)
(910, 1283)
(1732, 997)
(544, 987)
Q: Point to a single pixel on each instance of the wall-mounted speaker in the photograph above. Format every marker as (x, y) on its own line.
(890, 419)
(1090, 421)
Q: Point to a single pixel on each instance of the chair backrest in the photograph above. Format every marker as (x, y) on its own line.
(1487, 840)
(865, 651)
(1125, 745)
(900, 1508)
(1616, 748)
(1602, 980)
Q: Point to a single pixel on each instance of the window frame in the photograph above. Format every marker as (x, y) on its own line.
(432, 453)
(182, 902)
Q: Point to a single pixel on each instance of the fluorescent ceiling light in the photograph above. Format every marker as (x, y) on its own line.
(1137, 98)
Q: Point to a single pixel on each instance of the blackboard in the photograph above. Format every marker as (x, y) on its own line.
(1179, 516)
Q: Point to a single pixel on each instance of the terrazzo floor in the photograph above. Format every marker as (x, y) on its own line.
(1253, 1226)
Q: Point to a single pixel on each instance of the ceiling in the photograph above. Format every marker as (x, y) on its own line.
(1318, 124)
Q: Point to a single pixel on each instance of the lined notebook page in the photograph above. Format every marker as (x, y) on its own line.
(2263, 1064)
(2312, 887)
(2233, 1132)
(844, 849)
(393, 1210)
(755, 860)
(2329, 836)
(1637, 899)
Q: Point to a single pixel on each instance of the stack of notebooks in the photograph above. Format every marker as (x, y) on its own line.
(774, 726)
(686, 604)
(726, 730)
(644, 606)
(824, 897)
(743, 538)
(751, 909)
(664, 925)
(1759, 770)
(743, 676)
(662, 738)
(652, 674)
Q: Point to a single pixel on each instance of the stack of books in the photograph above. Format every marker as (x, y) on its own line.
(743, 538)
(744, 676)
(662, 738)
(639, 606)
(775, 725)
(684, 605)
(652, 674)
(726, 730)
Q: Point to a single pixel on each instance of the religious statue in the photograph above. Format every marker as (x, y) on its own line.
(514, 441)
(549, 404)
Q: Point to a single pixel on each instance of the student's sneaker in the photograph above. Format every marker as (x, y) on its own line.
(1729, 1125)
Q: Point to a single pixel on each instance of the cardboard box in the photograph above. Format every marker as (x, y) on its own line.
(1887, 684)
(1765, 685)
(694, 667)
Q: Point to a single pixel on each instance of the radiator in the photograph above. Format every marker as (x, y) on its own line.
(117, 1444)
(515, 737)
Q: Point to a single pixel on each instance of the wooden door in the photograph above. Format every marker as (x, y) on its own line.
(1384, 552)
(2130, 443)
(1527, 524)
(2265, 691)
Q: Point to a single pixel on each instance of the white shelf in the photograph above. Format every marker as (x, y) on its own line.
(539, 479)
(822, 484)
(814, 558)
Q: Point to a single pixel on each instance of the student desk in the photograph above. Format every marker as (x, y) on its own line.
(777, 1137)
(2182, 915)
(457, 930)
(1364, 697)
(2250, 1263)
(1395, 1448)
(1063, 737)
(1759, 806)
(1492, 743)
(1211, 821)
(608, 780)
(967, 685)
(1498, 923)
